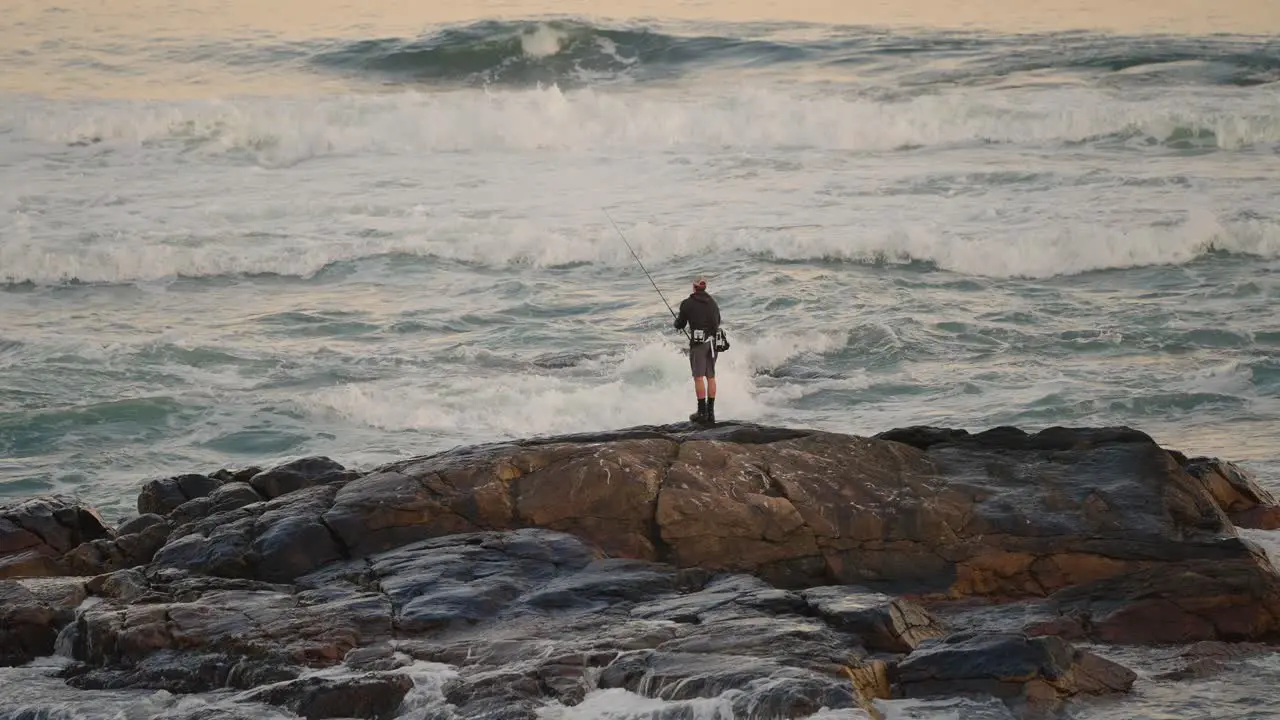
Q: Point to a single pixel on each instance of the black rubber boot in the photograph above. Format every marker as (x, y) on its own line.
(701, 415)
(711, 411)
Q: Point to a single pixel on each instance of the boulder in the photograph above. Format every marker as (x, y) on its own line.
(36, 533)
(127, 550)
(298, 475)
(227, 497)
(28, 626)
(1011, 666)
(1234, 490)
(160, 497)
(275, 541)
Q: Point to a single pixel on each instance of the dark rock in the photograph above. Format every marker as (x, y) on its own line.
(723, 598)
(175, 672)
(298, 475)
(125, 551)
(160, 497)
(370, 695)
(1206, 659)
(241, 618)
(32, 613)
(242, 475)
(28, 626)
(123, 585)
(230, 496)
(140, 524)
(36, 533)
(1010, 666)
(275, 541)
(182, 672)
(375, 657)
(1221, 599)
(767, 688)
(498, 694)
(884, 623)
(1235, 491)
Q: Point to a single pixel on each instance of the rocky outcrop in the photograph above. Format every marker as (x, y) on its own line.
(554, 612)
(35, 534)
(940, 514)
(799, 569)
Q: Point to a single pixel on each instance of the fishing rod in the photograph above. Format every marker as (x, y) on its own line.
(646, 272)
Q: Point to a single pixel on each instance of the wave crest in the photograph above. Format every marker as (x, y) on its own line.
(569, 51)
(550, 52)
(1046, 252)
(282, 132)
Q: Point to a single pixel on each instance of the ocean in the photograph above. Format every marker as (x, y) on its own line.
(236, 234)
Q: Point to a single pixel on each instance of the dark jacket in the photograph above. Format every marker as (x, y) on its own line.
(700, 312)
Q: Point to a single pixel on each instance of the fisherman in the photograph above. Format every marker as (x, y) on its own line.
(701, 313)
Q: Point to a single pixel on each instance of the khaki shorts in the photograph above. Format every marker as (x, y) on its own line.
(702, 361)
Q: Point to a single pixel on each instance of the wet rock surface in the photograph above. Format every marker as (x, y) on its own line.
(35, 534)
(1009, 665)
(781, 571)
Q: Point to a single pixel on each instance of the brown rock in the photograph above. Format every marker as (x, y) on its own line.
(883, 623)
(28, 626)
(1248, 504)
(1227, 599)
(1262, 517)
(125, 551)
(607, 494)
(36, 533)
(939, 513)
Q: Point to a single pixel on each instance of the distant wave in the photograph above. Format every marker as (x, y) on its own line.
(1047, 252)
(549, 52)
(571, 52)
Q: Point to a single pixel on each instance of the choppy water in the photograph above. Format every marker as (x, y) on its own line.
(372, 245)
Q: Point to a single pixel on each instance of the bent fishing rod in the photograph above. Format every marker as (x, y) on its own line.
(646, 272)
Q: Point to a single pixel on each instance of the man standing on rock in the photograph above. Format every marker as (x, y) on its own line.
(701, 313)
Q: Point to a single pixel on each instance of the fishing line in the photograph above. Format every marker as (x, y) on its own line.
(646, 272)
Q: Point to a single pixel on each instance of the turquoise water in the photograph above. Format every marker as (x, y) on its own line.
(410, 250)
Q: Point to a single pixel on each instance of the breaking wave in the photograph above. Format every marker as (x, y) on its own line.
(572, 51)
(552, 52)
(280, 132)
(1046, 252)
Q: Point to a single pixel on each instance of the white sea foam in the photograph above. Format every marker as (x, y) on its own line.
(1034, 252)
(646, 384)
(283, 131)
(543, 41)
